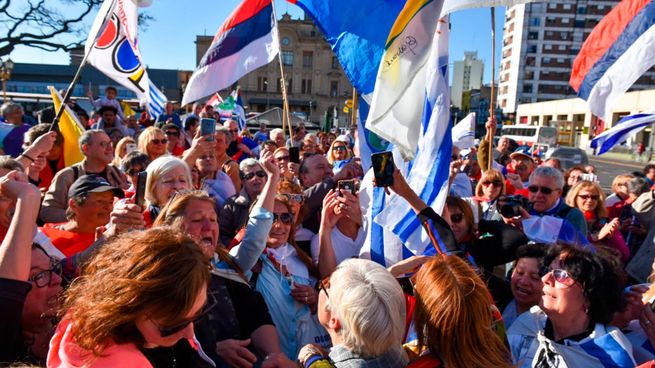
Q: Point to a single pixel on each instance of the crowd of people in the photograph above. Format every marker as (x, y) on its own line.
(235, 252)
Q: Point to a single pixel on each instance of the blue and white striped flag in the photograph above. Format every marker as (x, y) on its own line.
(428, 172)
(156, 102)
(624, 128)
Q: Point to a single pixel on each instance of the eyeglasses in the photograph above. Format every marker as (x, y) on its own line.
(324, 285)
(589, 196)
(133, 172)
(456, 218)
(173, 133)
(339, 148)
(168, 331)
(561, 276)
(282, 158)
(290, 197)
(44, 278)
(284, 218)
(544, 190)
(159, 141)
(259, 173)
(495, 183)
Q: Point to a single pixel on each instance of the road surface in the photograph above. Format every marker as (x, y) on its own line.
(607, 169)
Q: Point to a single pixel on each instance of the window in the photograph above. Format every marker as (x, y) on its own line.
(334, 88)
(546, 60)
(533, 35)
(582, 10)
(548, 47)
(285, 41)
(564, 35)
(262, 84)
(306, 86)
(527, 88)
(287, 58)
(560, 61)
(535, 22)
(335, 62)
(566, 20)
(579, 23)
(532, 48)
(307, 59)
(567, 6)
(562, 47)
(549, 33)
(601, 7)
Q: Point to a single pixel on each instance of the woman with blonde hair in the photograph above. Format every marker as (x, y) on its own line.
(339, 154)
(453, 317)
(589, 198)
(485, 203)
(121, 150)
(153, 142)
(135, 305)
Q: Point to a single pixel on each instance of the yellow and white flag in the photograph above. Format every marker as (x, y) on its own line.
(71, 129)
(399, 95)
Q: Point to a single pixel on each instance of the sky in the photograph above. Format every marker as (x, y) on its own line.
(168, 42)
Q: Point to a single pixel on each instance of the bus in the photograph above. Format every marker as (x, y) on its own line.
(528, 135)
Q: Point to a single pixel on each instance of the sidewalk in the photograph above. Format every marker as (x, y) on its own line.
(620, 156)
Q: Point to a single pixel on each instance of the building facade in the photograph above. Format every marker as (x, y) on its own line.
(540, 42)
(316, 84)
(467, 76)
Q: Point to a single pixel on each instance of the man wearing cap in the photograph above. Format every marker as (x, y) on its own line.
(91, 199)
(98, 153)
(518, 173)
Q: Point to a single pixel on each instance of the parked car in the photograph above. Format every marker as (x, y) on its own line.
(568, 156)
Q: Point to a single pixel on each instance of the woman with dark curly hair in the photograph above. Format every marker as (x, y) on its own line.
(135, 305)
(569, 328)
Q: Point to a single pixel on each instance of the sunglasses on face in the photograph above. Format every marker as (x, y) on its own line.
(339, 148)
(544, 190)
(456, 218)
(561, 276)
(44, 278)
(173, 133)
(284, 218)
(159, 141)
(589, 196)
(495, 183)
(168, 331)
(324, 285)
(259, 173)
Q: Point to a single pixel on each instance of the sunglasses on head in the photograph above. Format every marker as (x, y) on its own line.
(544, 190)
(168, 331)
(595, 197)
(284, 218)
(159, 141)
(259, 173)
(456, 218)
(291, 197)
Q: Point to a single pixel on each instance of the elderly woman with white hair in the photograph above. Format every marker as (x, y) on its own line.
(363, 309)
(167, 175)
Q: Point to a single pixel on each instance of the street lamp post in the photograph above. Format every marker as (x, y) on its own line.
(310, 110)
(5, 74)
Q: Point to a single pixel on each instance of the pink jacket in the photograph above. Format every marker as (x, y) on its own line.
(64, 352)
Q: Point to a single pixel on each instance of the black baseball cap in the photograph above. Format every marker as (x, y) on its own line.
(93, 184)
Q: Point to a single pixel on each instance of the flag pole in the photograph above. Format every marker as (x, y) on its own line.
(69, 91)
(492, 100)
(283, 85)
(353, 119)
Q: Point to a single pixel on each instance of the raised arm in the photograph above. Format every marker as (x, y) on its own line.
(16, 248)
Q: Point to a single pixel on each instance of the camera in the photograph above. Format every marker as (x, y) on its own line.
(511, 205)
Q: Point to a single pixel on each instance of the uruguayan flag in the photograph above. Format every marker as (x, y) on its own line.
(427, 174)
(617, 134)
(464, 132)
(156, 102)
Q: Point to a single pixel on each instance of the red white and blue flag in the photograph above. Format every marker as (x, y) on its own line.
(618, 51)
(246, 41)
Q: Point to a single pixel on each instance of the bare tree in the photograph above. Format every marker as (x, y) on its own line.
(51, 28)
